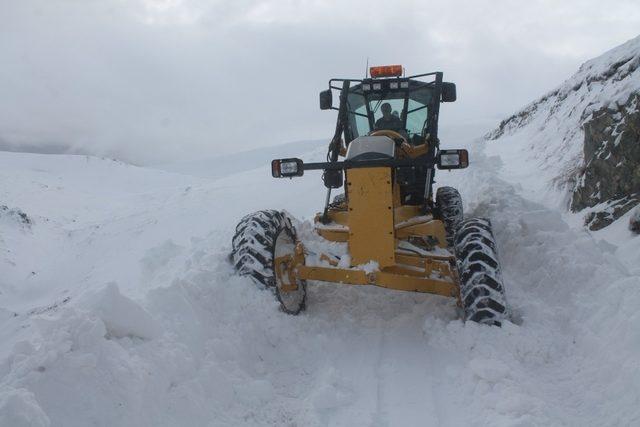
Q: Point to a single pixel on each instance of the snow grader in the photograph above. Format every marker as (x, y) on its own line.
(394, 233)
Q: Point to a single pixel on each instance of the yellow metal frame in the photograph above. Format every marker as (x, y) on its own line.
(374, 224)
(370, 220)
(429, 273)
(410, 273)
(392, 278)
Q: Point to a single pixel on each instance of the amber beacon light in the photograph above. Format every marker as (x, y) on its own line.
(386, 71)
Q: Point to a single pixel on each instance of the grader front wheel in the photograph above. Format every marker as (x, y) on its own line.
(481, 288)
(263, 241)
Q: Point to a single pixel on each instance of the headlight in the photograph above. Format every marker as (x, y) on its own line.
(450, 159)
(286, 168)
(453, 159)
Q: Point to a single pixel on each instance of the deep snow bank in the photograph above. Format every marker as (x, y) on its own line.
(134, 317)
(574, 303)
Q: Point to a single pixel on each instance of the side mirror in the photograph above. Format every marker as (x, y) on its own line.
(326, 100)
(453, 159)
(448, 92)
(286, 168)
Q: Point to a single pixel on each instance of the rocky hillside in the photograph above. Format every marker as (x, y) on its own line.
(584, 136)
(610, 176)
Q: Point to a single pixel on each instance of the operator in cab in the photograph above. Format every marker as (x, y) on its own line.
(388, 120)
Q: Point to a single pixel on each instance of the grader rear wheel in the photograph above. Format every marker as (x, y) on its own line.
(449, 204)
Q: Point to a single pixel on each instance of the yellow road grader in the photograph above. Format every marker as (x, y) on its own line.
(384, 154)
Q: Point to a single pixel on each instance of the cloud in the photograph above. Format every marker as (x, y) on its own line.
(154, 81)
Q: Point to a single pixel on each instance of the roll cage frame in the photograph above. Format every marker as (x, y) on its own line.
(333, 170)
(413, 85)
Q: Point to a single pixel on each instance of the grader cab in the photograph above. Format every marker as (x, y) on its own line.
(395, 233)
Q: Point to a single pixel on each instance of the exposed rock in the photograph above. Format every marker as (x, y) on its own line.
(611, 172)
(603, 216)
(634, 221)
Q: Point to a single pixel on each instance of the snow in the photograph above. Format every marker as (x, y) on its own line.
(540, 150)
(19, 408)
(544, 141)
(369, 267)
(118, 307)
(121, 316)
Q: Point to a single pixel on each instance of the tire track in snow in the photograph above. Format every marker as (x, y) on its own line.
(380, 415)
(405, 381)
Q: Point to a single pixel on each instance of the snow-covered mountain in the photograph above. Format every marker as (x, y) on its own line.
(579, 145)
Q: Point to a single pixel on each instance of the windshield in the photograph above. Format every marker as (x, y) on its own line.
(404, 111)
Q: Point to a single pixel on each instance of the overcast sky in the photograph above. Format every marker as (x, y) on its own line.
(158, 80)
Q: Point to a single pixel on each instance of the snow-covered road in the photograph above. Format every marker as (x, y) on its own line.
(118, 307)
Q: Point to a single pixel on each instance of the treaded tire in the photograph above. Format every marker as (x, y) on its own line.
(254, 247)
(481, 287)
(449, 204)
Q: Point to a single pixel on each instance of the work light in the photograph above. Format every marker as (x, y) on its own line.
(453, 159)
(286, 168)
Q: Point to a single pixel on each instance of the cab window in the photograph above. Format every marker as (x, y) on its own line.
(366, 108)
(396, 107)
(358, 119)
(416, 118)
